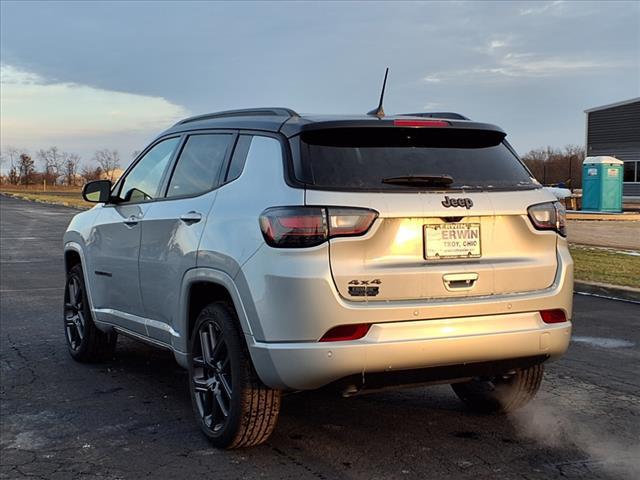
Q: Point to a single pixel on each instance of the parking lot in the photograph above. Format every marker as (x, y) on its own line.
(131, 417)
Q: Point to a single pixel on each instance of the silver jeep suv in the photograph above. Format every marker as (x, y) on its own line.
(274, 252)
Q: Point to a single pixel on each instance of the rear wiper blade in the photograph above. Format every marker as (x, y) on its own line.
(420, 180)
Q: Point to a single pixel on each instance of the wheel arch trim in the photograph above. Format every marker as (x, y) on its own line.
(77, 248)
(213, 276)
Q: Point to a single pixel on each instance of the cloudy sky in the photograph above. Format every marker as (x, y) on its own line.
(92, 75)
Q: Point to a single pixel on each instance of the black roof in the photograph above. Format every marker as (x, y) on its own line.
(290, 123)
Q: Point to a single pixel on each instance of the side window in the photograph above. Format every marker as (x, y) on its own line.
(198, 167)
(142, 183)
(239, 157)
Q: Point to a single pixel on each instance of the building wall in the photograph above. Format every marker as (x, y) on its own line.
(615, 131)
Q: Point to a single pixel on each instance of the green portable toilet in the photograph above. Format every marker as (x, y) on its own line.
(602, 184)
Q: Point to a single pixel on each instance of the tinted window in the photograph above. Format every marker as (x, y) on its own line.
(361, 158)
(629, 171)
(142, 183)
(239, 157)
(199, 164)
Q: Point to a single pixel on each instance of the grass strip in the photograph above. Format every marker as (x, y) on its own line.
(606, 265)
(64, 199)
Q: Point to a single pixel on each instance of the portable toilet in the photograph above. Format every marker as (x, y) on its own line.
(602, 184)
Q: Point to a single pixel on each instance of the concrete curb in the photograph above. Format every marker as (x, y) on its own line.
(606, 290)
(618, 217)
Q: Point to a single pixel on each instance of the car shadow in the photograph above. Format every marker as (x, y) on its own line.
(141, 396)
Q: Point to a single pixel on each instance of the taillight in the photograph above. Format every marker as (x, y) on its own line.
(553, 316)
(291, 227)
(420, 123)
(343, 333)
(350, 222)
(549, 216)
(299, 227)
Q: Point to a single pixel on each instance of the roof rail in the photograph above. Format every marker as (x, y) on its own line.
(449, 115)
(248, 112)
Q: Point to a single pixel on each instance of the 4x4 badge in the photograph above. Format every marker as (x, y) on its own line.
(457, 202)
(364, 288)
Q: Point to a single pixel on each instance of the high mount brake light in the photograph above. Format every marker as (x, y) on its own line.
(553, 316)
(300, 227)
(549, 216)
(420, 123)
(344, 333)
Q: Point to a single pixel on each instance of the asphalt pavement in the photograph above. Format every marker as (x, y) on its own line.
(131, 416)
(605, 233)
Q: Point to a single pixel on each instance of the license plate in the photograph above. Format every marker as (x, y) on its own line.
(452, 240)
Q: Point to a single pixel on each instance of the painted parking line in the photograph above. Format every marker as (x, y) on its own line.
(603, 342)
(13, 290)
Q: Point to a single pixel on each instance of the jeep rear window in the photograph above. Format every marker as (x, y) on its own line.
(360, 158)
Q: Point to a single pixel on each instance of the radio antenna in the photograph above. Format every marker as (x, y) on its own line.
(379, 112)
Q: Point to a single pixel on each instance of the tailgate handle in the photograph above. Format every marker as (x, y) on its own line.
(459, 281)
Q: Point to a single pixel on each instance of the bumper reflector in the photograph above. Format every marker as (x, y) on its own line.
(343, 333)
(553, 316)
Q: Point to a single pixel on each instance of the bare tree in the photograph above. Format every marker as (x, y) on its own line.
(554, 166)
(26, 168)
(109, 161)
(535, 159)
(575, 155)
(90, 174)
(71, 162)
(9, 154)
(13, 176)
(52, 163)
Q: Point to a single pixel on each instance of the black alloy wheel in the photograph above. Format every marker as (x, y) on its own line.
(232, 406)
(85, 341)
(74, 319)
(212, 380)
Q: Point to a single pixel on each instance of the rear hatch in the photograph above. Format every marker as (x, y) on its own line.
(452, 206)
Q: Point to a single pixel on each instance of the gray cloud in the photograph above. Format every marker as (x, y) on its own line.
(511, 63)
(530, 65)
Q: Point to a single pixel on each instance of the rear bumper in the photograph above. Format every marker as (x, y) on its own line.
(399, 346)
(403, 335)
(290, 297)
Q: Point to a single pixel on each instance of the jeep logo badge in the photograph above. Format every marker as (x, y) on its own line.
(457, 202)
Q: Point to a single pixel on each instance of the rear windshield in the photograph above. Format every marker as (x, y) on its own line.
(361, 158)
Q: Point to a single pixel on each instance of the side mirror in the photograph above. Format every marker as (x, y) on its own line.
(97, 191)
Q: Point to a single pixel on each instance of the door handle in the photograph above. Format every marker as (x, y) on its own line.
(191, 217)
(132, 221)
(459, 281)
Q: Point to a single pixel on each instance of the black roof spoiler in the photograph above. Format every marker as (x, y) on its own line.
(449, 115)
(290, 123)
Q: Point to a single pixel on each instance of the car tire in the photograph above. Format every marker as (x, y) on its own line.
(501, 394)
(86, 343)
(232, 406)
